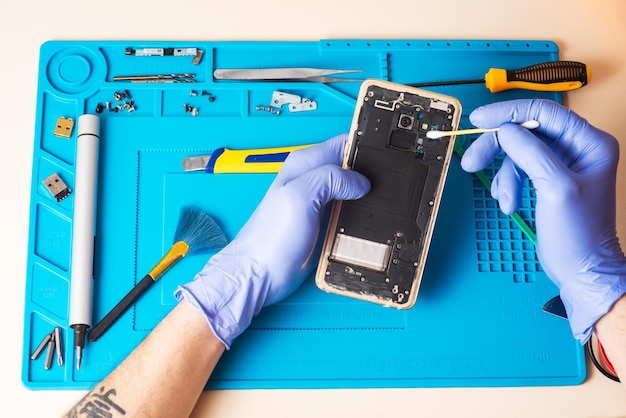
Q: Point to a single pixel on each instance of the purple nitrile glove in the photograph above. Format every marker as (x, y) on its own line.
(274, 251)
(572, 166)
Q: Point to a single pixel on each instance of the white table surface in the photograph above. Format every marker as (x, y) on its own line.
(591, 32)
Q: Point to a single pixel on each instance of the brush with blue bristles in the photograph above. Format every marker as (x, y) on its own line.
(196, 233)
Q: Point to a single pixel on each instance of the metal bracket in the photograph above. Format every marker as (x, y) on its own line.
(294, 103)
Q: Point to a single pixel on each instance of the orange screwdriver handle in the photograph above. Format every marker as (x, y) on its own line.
(548, 76)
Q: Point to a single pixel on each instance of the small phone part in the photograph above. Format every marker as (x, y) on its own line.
(42, 345)
(57, 187)
(50, 352)
(375, 247)
(58, 342)
(64, 127)
(196, 53)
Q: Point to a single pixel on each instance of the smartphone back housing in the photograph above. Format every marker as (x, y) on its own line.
(376, 247)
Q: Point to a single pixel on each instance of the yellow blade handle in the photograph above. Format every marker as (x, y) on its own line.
(267, 160)
(548, 76)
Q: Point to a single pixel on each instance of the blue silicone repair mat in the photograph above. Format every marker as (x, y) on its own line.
(478, 318)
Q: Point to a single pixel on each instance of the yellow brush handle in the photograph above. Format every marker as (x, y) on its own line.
(267, 160)
(548, 76)
(176, 252)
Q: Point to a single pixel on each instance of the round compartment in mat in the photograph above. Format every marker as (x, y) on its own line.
(73, 70)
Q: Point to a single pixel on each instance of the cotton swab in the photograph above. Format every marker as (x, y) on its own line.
(531, 124)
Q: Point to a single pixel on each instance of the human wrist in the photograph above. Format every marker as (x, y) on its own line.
(611, 330)
(589, 296)
(228, 292)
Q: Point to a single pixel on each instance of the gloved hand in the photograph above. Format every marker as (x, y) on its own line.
(274, 251)
(572, 166)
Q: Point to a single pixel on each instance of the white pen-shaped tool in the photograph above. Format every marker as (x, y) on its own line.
(83, 230)
(531, 124)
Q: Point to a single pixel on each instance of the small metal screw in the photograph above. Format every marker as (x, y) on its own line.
(209, 95)
(193, 93)
(99, 108)
(190, 109)
(272, 110)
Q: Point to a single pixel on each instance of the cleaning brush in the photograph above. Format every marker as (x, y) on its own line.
(196, 233)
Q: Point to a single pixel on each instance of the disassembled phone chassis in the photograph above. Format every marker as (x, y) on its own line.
(376, 247)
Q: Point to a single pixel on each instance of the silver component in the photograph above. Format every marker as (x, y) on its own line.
(440, 105)
(57, 187)
(284, 74)
(198, 57)
(160, 52)
(157, 78)
(304, 106)
(294, 103)
(148, 52)
(271, 109)
(196, 163)
(59, 345)
(182, 52)
(41, 346)
(360, 252)
(49, 353)
(280, 98)
(190, 109)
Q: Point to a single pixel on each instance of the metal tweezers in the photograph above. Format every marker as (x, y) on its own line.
(317, 75)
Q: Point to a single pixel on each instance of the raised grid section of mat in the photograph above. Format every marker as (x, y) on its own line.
(501, 245)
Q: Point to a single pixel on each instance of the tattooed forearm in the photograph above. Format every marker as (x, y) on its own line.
(163, 377)
(98, 403)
